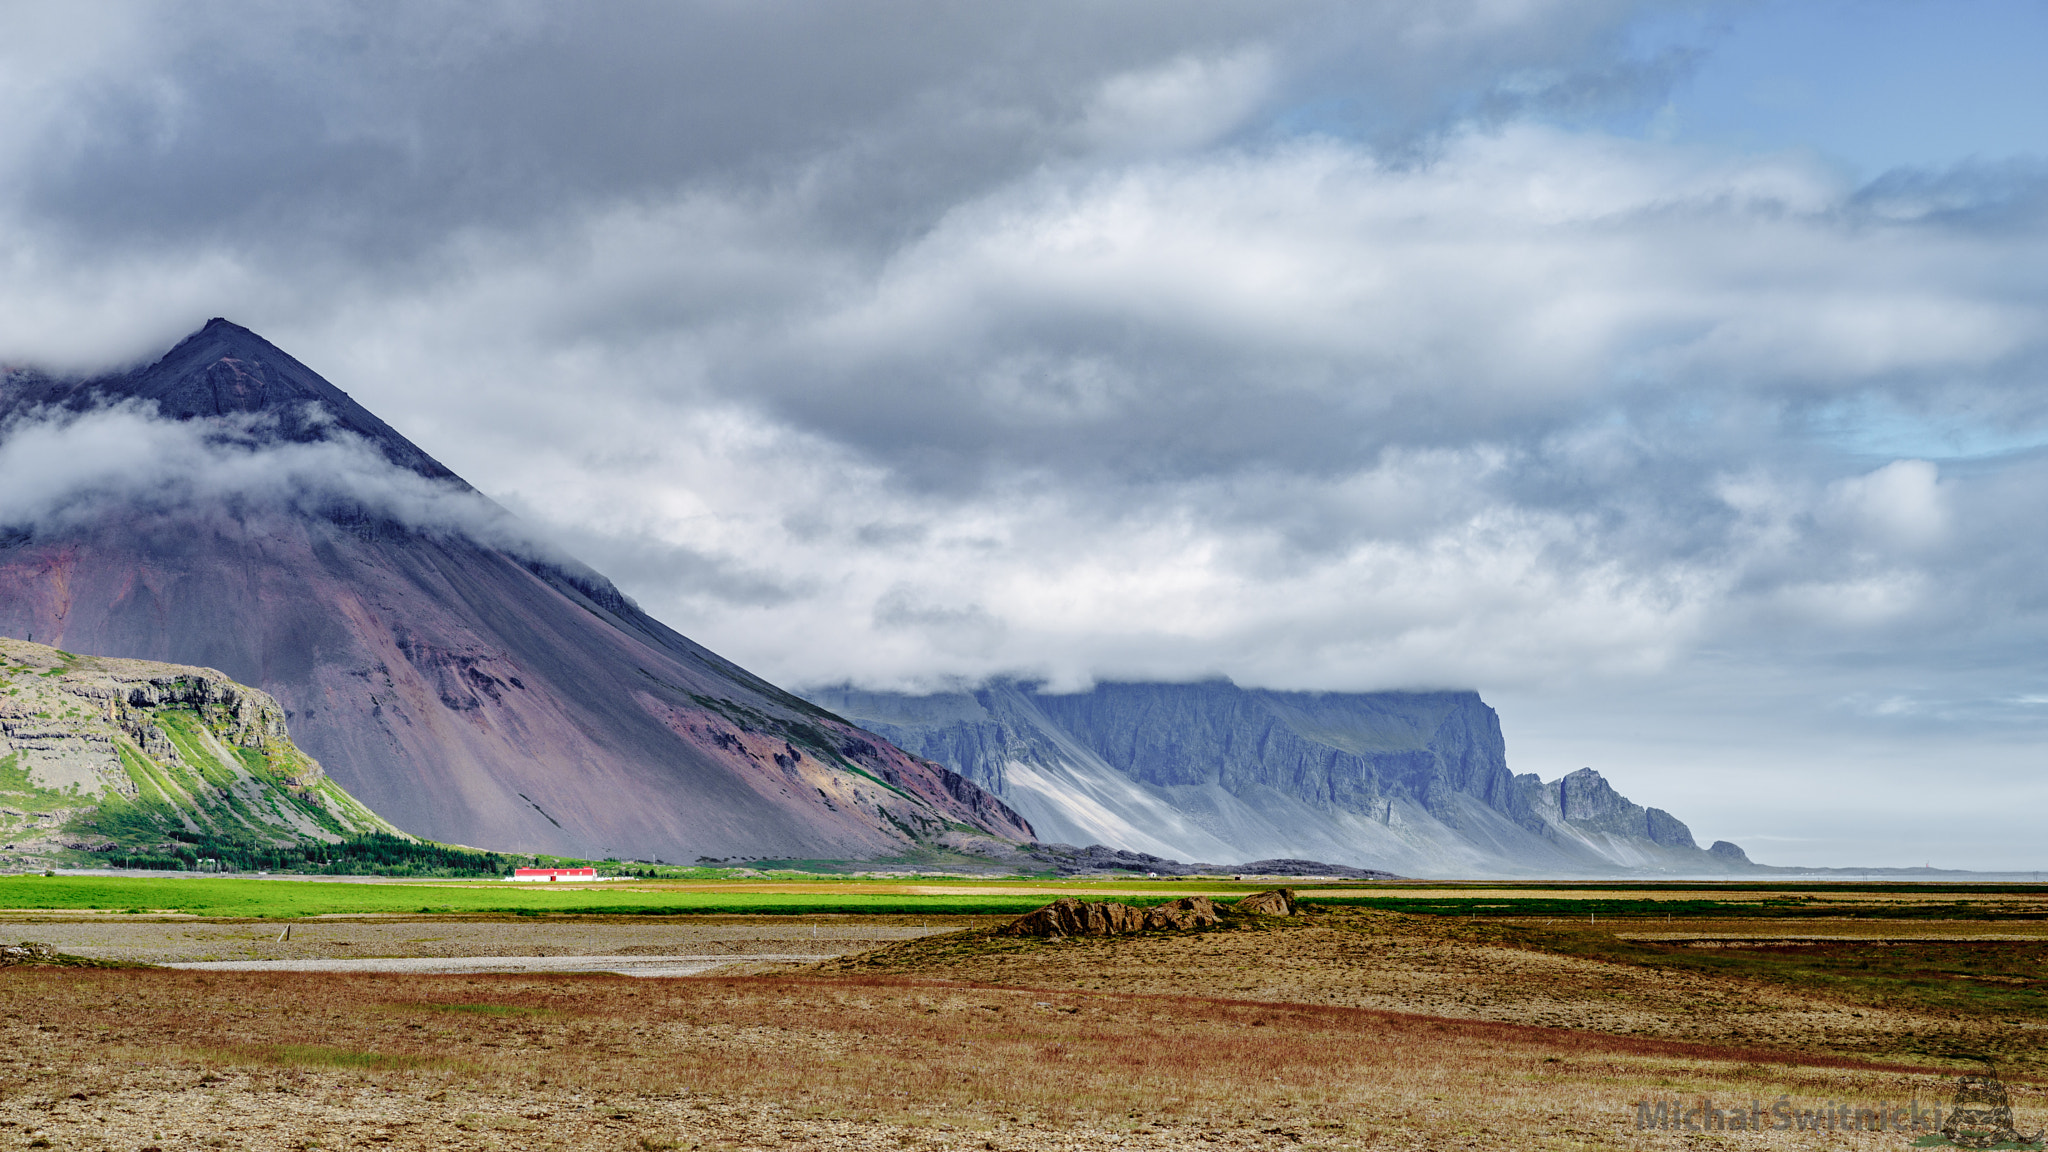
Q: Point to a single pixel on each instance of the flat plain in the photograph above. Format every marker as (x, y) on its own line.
(1351, 1026)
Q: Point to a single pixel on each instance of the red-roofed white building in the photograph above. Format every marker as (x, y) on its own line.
(551, 874)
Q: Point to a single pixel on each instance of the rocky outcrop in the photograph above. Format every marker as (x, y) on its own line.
(1071, 917)
(1278, 902)
(100, 754)
(1415, 783)
(26, 952)
(1068, 916)
(1183, 914)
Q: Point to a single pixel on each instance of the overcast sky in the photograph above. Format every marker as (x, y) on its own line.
(1671, 373)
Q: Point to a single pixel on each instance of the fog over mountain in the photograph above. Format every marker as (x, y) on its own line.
(1670, 373)
(468, 684)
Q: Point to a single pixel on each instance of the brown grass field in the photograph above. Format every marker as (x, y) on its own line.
(1350, 1028)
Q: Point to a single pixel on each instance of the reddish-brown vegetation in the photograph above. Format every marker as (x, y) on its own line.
(852, 1061)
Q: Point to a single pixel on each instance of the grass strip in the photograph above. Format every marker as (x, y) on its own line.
(255, 898)
(1999, 978)
(1775, 907)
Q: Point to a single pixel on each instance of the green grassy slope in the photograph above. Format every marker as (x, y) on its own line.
(205, 896)
(149, 765)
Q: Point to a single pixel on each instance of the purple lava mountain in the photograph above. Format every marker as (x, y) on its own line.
(469, 691)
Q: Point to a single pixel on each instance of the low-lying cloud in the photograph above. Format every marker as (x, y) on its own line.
(63, 470)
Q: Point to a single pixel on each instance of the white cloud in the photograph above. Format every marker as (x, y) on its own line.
(1901, 505)
(1300, 416)
(1186, 103)
(62, 469)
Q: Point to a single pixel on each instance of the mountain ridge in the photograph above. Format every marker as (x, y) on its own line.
(1410, 782)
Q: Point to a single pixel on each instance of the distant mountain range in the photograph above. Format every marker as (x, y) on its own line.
(467, 689)
(1410, 782)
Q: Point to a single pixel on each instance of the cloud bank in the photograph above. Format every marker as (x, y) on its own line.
(65, 470)
(1321, 346)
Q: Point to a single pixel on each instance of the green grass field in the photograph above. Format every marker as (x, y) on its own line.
(1769, 907)
(792, 894)
(292, 898)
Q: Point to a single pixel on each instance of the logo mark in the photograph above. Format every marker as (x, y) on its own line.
(1981, 1115)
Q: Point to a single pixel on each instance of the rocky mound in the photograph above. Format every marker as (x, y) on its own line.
(28, 952)
(1278, 902)
(1071, 917)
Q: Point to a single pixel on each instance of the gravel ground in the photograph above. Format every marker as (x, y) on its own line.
(184, 1061)
(1248, 1039)
(452, 966)
(175, 1110)
(181, 940)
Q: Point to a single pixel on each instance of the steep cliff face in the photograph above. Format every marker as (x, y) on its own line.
(470, 691)
(1413, 782)
(102, 754)
(1346, 752)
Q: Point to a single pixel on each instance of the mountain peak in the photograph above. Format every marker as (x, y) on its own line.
(225, 337)
(224, 369)
(225, 325)
(470, 690)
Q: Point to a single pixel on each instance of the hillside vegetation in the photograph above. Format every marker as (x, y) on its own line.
(148, 765)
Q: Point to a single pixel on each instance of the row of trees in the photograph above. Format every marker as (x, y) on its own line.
(378, 854)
